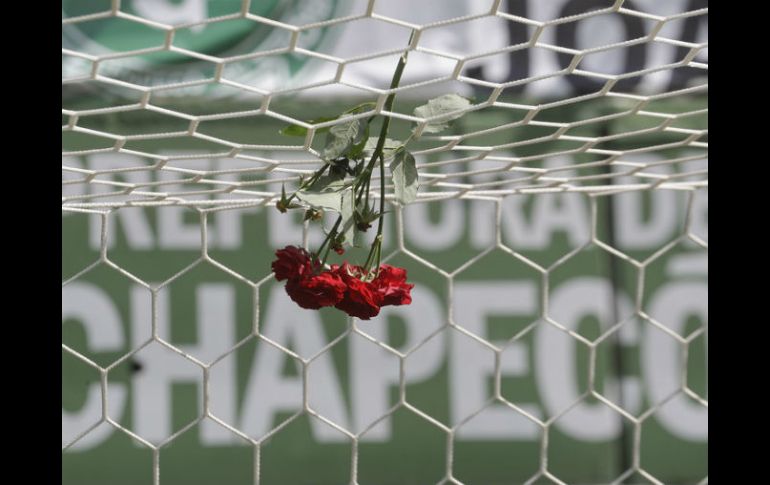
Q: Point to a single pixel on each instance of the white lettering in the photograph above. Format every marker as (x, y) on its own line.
(435, 236)
(136, 227)
(374, 371)
(162, 367)
(556, 360)
(92, 307)
(269, 392)
(558, 212)
(482, 230)
(672, 305)
(70, 190)
(179, 227)
(471, 364)
(633, 231)
(699, 214)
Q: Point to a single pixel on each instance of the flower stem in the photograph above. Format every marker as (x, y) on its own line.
(382, 208)
(362, 182)
(374, 252)
(327, 242)
(388, 107)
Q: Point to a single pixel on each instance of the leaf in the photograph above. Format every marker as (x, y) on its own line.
(439, 107)
(296, 130)
(325, 182)
(340, 199)
(358, 149)
(404, 172)
(363, 107)
(331, 200)
(387, 150)
(342, 137)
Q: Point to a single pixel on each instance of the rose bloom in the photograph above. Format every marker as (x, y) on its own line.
(292, 263)
(316, 291)
(361, 300)
(392, 286)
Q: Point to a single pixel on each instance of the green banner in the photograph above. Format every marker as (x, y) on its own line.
(211, 314)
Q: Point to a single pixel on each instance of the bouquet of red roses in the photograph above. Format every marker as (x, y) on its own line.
(346, 287)
(342, 185)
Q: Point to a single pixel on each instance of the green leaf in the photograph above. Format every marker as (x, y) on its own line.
(328, 197)
(325, 182)
(337, 198)
(342, 137)
(441, 106)
(331, 200)
(363, 107)
(358, 149)
(296, 130)
(404, 172)
(387, 149)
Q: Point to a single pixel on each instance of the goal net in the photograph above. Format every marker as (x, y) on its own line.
(557, 243)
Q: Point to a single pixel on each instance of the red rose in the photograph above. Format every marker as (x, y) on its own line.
(392, 286)
(361, 298)
(292, 263)
(315, 291)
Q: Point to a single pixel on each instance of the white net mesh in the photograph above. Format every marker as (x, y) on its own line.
(574, 144)
(520, 174)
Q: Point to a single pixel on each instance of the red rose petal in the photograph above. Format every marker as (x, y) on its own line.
(316, 291)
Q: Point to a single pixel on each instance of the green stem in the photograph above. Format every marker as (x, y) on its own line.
(325, 244)
(375, 251)
(368, 183)
(364, 179)
(382, 207)
(388, 107)
(394, 82)
(374, 254)
(408, 139)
